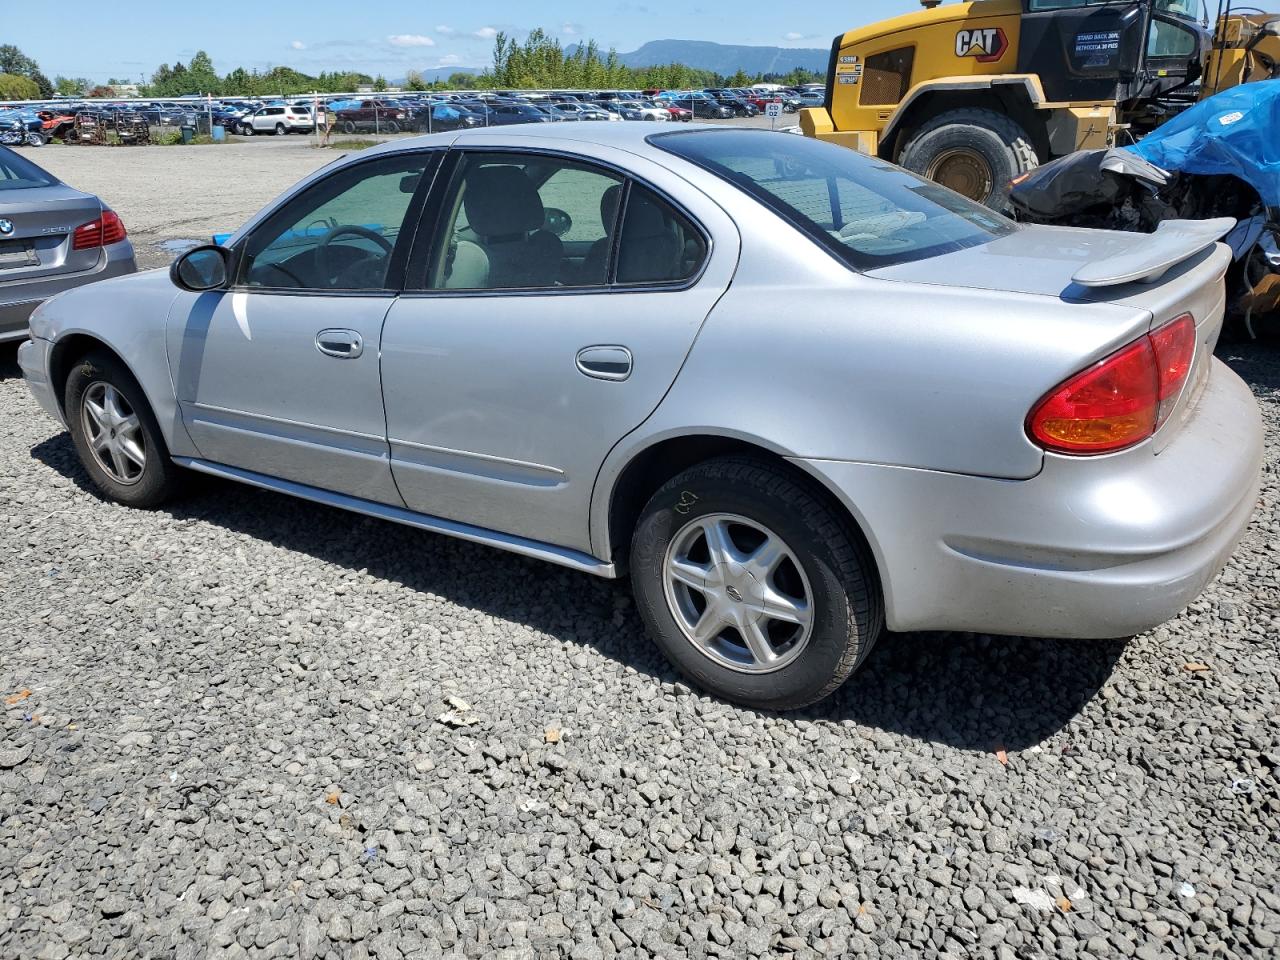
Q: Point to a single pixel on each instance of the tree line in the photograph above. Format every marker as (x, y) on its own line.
(539, 62)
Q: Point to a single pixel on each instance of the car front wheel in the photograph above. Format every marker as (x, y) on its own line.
(753, 587)
(116, 435)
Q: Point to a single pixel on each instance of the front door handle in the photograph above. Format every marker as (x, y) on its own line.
(343, 344)
(605, 362)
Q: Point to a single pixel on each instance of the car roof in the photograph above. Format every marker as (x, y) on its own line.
(628, 136)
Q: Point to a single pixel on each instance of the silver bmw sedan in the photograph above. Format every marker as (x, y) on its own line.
(52, 238)
(796, 394)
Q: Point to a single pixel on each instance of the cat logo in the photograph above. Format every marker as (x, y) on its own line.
(986, 45)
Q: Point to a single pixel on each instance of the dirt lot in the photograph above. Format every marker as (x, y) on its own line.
(220, 735)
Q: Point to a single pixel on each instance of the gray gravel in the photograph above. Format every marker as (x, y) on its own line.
(249, 726)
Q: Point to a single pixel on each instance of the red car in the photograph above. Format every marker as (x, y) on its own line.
(683, 114)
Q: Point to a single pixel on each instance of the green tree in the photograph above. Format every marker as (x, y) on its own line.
(413, 80)
(14, 87)
(70, 86)
(380, 83)
(14, 61)
(201, 76)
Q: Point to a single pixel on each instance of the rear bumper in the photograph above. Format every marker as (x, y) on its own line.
(33, 358)
(1090, 548)
(18, 298)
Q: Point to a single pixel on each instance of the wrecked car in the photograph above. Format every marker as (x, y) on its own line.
(1220, 158)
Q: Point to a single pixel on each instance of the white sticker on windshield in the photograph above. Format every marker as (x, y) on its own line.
(1227, 119)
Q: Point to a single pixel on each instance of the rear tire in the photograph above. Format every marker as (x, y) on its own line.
(977, 153)
(99, 376)
(280, 130)
(348, 126)
(817, 605)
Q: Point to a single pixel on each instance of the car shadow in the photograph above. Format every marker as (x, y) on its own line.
(9, 369)
(970, 692)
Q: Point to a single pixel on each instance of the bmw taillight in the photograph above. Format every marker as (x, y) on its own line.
(107, 229)
(1120, 400)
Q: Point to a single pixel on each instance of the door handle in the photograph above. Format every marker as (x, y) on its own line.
(343, 344)
(605, 362)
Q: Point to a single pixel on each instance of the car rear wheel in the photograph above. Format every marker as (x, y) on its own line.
(280, 130)
(752, 586)
(116, 435)
(976, 153)
(348, 126)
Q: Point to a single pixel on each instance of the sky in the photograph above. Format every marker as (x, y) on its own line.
(89, 38)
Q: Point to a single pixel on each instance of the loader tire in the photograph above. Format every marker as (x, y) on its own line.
(976, 153)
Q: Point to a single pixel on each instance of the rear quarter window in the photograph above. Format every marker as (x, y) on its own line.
(866, 212)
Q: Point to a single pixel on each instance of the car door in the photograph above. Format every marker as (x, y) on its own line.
(519, 355)
(279, 373)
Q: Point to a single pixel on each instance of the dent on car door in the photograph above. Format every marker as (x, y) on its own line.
(528, 342)
(279, 374)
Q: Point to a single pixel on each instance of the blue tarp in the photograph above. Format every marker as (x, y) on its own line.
(1234, 132)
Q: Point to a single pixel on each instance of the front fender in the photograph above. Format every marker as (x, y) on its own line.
(127, 315)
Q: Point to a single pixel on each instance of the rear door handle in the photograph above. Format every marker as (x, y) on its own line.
(343, 344)
(605, 362)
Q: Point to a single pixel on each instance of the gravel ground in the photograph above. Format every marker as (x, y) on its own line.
(233, 728)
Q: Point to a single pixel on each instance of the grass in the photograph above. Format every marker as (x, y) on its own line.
(351, 144)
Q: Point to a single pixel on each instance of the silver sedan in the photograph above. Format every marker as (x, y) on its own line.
(798, 395)
(52, 238)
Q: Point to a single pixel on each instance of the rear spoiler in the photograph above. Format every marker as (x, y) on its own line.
(1173, 242)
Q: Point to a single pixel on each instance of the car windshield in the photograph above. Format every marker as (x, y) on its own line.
(867, 212)
(17, 173)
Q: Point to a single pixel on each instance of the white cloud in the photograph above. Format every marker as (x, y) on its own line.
(486, 33)
(445, 29)
(410, 40)
(569, 29)
(794, 36)
(298, 45)
(450, 60)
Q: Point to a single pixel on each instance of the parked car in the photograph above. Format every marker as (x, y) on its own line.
(1039, 443)
(739, 106)
(278, 120)
(677, 112)
(52, 238)
(508, 114)
(701, 106)
(380, 116)
(439, 117)
(637, 110)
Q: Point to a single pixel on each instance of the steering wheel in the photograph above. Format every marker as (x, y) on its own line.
(322, 249)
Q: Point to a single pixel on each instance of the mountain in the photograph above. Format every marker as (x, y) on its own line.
(726, 59)
(444, 73)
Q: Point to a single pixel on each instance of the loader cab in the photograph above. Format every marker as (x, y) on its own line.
(1128, 52)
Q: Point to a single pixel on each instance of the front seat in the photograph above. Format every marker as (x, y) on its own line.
(505, 214)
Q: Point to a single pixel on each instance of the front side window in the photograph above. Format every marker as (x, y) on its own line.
(340, 233)
(865, 211)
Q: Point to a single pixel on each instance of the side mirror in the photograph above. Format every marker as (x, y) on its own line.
(557, 221)
(202, 268)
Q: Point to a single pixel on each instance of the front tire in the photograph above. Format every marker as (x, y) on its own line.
(116, 435)
(977, 153)
(752, 586)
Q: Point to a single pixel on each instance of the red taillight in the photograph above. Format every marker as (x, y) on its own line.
(107, 229)
(1121, 400)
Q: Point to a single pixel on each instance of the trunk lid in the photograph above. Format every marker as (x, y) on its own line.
(43, 220)
(1187, 264)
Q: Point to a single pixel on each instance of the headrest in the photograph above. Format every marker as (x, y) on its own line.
(644, 217)
(609, 201)
(500, 201)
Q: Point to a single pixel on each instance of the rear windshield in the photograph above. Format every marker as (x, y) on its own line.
(867, 212)
(17, 173)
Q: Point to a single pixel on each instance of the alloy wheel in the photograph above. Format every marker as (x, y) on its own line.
(114, 433)
(738, 593)
(965, 171)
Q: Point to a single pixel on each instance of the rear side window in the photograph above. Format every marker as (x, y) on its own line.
(658, 243)
(866, 212)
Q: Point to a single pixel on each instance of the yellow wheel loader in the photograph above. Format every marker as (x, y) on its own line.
(975, 94)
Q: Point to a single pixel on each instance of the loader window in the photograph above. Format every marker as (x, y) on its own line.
(888, 77)
(1170, 40)
(866, 212)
